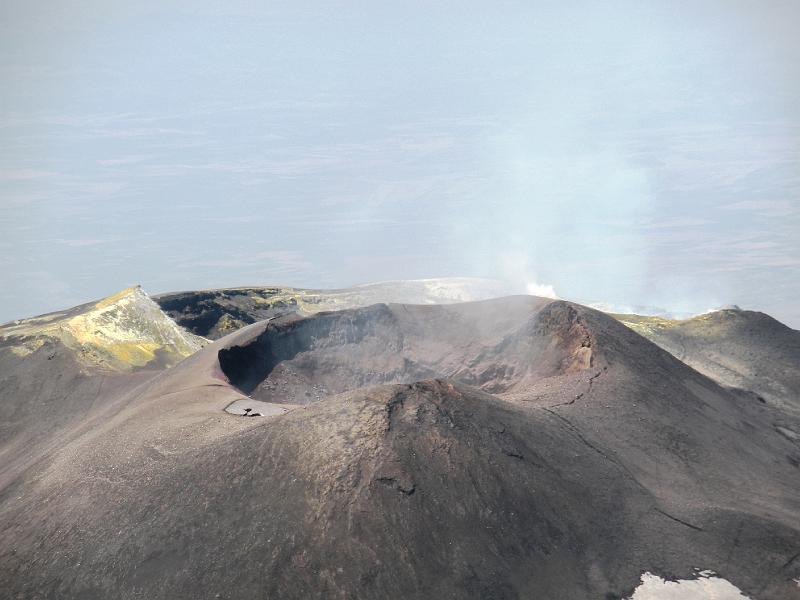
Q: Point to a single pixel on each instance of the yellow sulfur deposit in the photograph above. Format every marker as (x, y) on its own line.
(122, 332)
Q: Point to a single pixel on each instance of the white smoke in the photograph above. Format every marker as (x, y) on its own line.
(515, 267)
(543, 290)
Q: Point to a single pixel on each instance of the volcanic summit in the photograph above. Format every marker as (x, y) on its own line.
(509, 448)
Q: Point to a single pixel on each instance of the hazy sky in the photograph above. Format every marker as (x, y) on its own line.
(626, 152)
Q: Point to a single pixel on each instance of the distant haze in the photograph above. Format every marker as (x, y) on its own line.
(629, 153)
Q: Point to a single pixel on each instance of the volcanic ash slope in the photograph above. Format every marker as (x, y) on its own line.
(513, 448)
(60, 369)
(737, 348)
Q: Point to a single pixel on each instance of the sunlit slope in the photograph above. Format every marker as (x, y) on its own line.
(122, 332)
(737, 348)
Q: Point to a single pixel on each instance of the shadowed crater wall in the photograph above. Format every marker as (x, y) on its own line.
(300, 360)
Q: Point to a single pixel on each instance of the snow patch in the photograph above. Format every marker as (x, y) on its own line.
(707, 586)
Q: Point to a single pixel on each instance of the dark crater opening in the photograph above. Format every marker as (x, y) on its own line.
(301, 360)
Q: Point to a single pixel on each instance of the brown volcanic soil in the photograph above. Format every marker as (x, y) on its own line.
(599, 456)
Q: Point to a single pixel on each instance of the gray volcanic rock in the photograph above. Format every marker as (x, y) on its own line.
(736, 348)
(498, 345)
(215, 313)
(597, 457)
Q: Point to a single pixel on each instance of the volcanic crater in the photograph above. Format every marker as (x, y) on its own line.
(299, 360)
(515, 448)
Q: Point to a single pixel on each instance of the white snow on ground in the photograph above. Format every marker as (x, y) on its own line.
(706, 587)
